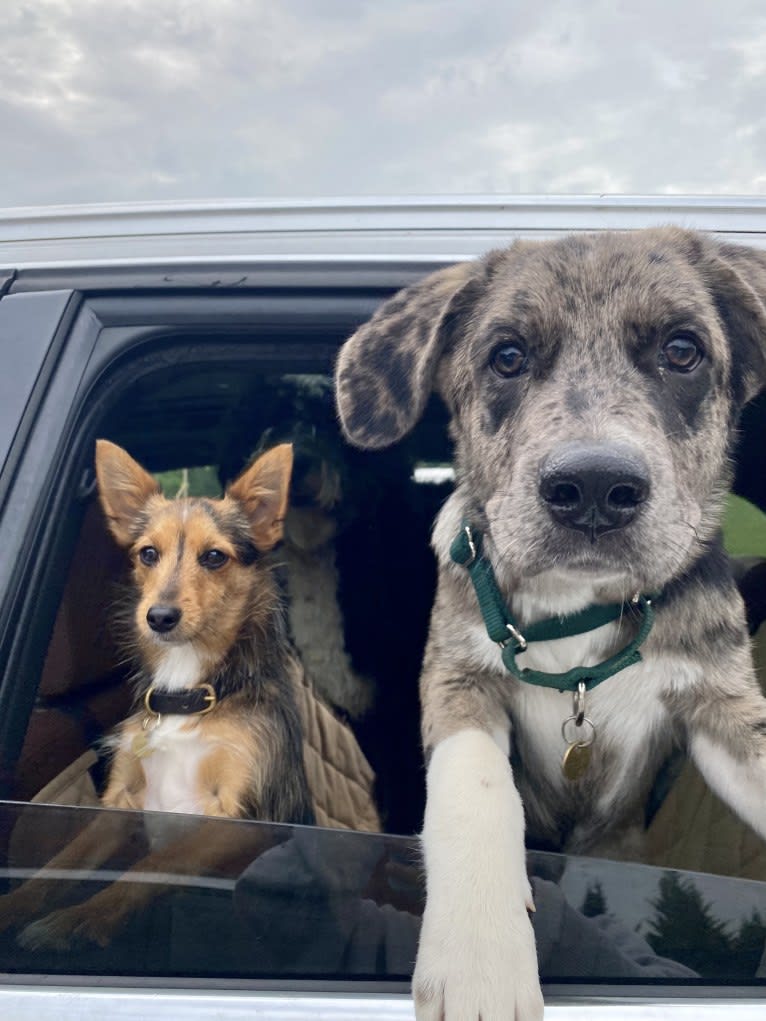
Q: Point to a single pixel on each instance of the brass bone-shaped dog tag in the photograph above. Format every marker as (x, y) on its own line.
(576, 760)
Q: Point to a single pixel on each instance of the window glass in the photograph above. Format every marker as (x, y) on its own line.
(744, 528)
(181, 896)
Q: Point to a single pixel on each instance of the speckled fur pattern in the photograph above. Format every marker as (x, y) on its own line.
(592, 314)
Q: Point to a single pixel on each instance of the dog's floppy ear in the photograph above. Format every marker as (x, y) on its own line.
(738, 282)
(386, 370)
(261, 490)
(123, 489)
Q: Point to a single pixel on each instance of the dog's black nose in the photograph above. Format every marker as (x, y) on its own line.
(594, 487)
(163, 618)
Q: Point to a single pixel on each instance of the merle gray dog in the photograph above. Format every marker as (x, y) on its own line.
(594, 385)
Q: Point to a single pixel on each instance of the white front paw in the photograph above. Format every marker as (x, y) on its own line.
(483, 973)
(477, 959)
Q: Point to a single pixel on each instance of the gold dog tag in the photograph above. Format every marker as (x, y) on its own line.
(576, 760)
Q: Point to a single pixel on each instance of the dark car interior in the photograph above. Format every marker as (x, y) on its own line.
(218, 415)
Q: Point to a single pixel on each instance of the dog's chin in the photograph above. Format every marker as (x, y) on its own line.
(595, 575)
(619, 556)
(180, 644)
(591, 559)
(610, 576)
(582, 558)
(591, 567)
(167, 640)
(594, 570)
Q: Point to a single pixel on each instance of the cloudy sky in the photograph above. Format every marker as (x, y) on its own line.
(112, 100)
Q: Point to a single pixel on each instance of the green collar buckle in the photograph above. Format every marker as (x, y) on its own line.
(501, 627)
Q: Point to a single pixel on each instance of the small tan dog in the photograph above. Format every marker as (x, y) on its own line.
(217, 729)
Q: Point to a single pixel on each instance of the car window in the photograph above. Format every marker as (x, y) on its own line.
(744, 528)
(236, 899)
(201, 480)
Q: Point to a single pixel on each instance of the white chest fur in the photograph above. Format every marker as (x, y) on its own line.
(171, 767)
(175, 746)
(180, 667)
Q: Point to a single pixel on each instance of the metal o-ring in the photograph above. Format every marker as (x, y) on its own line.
(579, 739)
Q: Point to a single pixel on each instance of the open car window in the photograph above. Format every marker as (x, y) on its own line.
(246, 901)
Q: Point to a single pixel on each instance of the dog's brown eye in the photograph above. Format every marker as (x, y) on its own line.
(213, 558)
(508, 360)
(148, 556)
(683, 352)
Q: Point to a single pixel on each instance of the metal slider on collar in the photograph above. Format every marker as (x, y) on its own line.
(471, 545)
(517, 636)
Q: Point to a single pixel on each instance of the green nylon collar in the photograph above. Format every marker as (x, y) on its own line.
(501, 627)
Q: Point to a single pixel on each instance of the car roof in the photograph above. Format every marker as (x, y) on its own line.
(379, 231)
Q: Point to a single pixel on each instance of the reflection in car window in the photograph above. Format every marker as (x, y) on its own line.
(222, 898)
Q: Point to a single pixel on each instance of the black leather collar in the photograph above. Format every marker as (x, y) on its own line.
(186, 702)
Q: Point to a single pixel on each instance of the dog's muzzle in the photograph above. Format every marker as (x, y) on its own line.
(594, 488)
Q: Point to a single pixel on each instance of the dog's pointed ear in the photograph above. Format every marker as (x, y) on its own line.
(124, 488)
(386, 370)
(262, 490)
(738, 282)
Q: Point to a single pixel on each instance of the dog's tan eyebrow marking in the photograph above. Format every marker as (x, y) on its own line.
(236, 530)
(214, 515)
(140, 524)
(211, 512)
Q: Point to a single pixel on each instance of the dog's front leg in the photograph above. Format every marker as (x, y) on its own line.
(476, 959)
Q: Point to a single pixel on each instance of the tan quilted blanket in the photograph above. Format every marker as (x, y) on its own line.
(340, 777)
(695, 830)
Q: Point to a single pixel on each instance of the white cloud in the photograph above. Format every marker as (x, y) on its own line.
(751, 49)
(134, 99)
